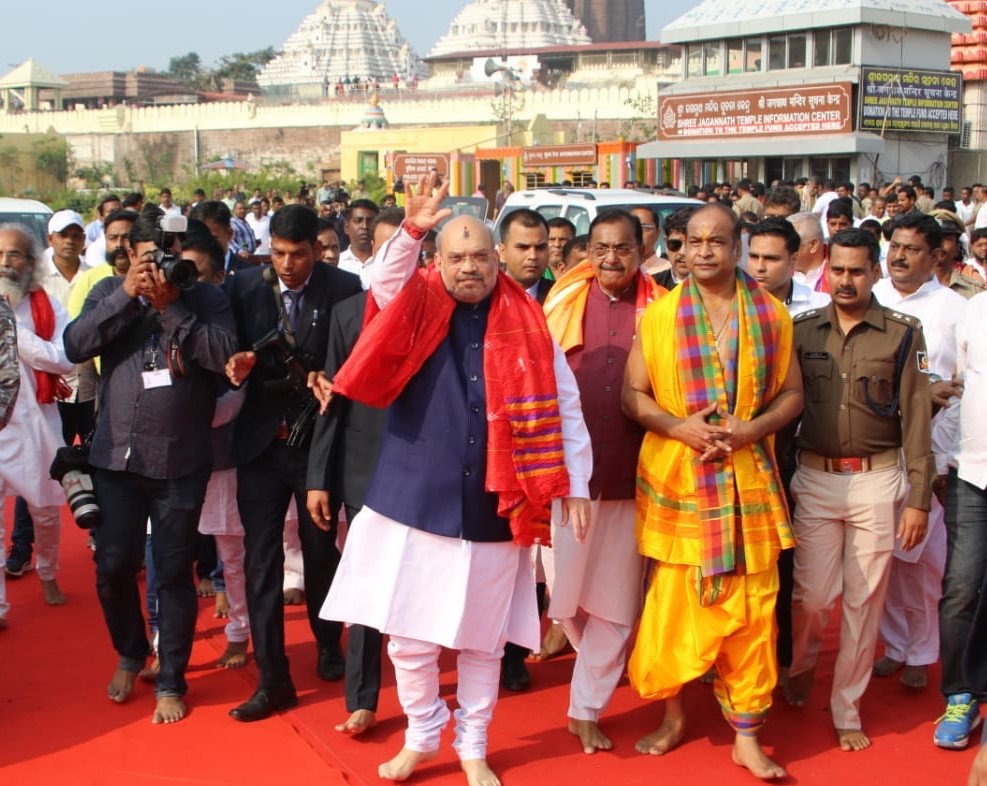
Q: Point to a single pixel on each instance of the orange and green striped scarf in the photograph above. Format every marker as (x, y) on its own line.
(690, 511)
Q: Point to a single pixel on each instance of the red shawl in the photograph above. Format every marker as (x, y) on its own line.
(525, 462)
(44, 328)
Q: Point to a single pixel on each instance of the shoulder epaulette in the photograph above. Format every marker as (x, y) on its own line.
(810, 314)
(904, 319)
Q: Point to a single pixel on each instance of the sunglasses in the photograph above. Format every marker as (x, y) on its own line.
(673, 245)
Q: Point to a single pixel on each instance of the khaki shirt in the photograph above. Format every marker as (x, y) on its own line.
(964, 285)
(838, 421)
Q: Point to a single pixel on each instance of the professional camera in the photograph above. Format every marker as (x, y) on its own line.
(71, 468)
(181, 273)
(295, 381)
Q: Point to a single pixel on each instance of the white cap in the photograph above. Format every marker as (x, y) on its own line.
(63, 219)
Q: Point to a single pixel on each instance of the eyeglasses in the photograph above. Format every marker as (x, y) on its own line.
(425, 256)
(479, 258)
(623, 251)
(673, 245)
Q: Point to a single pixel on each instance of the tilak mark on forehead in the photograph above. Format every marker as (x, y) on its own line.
(466, 231)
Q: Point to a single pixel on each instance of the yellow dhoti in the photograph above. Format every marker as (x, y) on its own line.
(679, 640)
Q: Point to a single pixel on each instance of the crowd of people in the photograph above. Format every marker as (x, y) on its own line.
(675, 442)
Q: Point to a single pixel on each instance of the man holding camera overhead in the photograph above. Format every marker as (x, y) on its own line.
(160, 347)
(282, 315)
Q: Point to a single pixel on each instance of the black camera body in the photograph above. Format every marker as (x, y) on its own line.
(178, 272)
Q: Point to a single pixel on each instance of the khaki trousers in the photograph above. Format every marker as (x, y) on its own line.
(845, 527)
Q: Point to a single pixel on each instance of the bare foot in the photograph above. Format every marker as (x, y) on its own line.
(169, 709)
(554, 644)
(235, 655)
(668, 735)
(121, 685)
(222, 610)
(886, 666)
(293, 597)
(150, 673)
(358, 722)
(798, 688)
(590, 736)
(401, 766)
(478, 773)
(747, 753)
(915, 677)
(53, 595)
(206, 588)
(852, 739)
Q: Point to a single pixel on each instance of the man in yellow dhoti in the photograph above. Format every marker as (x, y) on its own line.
(711, 377)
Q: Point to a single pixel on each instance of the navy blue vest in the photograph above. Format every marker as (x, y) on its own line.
(433, 456)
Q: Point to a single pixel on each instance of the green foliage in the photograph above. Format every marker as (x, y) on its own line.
(239, 66)
(643, 126)
(53, 156)
(83, 202)
(376, 187)
(188, 70)
(10, 164)
(242, 66)
(96, 175)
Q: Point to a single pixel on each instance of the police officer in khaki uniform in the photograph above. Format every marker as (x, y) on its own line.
(867, 395)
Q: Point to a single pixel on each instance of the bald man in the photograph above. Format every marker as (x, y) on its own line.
(481, 399)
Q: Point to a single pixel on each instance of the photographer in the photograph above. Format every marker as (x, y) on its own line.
(160, 349)
(282, 313)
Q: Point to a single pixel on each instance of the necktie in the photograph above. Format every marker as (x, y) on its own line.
(293, 303)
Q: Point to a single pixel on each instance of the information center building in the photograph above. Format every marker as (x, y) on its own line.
(855, 90)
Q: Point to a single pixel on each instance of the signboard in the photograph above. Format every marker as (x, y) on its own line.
(411, 166)
(558, 155)
(903, 99)
(808, 109)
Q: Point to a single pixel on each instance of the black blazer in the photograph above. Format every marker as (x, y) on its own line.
(544, 286)
(256, 312)
(346, 441)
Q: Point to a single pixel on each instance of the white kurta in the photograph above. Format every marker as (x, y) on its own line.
(34, 433)
(603, 576)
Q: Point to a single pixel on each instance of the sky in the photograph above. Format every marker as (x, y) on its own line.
(67, 36)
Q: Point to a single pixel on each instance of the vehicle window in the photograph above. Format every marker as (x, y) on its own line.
(550, 211)
(580, 217)
(36, 222)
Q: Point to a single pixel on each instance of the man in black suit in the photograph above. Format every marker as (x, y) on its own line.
(342, 460)
(288, 304)
(524, 251)
(217, 217)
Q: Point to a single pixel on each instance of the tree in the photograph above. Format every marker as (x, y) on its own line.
(53, 156)
(188, 70)
(242, 66)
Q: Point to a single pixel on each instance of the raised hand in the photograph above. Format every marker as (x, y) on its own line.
(422, 206)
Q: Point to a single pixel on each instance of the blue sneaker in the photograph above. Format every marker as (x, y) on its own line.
(953, 727)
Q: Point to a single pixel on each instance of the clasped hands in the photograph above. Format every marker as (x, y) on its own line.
(714, 440)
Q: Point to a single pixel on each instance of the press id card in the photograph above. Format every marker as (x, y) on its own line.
(156, 379)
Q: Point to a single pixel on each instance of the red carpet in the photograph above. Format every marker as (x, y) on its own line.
(57, 727)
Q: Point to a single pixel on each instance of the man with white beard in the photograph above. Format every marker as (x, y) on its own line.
(34, 432)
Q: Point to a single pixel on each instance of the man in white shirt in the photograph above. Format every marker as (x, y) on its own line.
(810, 265)
(165, 203)
(966, 208)
(822, 202)
(966, 528)
(359, 216)
(260, 225)
(910, 625)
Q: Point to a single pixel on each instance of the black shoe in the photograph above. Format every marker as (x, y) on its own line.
(331, 665)
(265, 702)
(513, 670)
(17, 563)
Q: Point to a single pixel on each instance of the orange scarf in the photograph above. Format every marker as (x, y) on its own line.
(44, 328)
(525, 461)
(565, 305)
